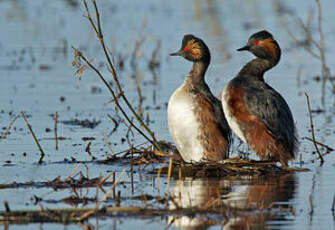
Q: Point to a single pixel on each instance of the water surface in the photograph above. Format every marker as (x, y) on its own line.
(37, 77)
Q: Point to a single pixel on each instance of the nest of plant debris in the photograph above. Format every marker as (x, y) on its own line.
(229, 167)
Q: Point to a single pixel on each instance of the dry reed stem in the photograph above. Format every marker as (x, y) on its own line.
(114, 173)
(34, 136)
(311, 211)
(112, 186)
(132, 176)
(103, 180)
(9, 126)
(158, 176)
(98, 30)
(108, 145)
(312, 129)
(161, 154)
(99, 187)
(127, 135)
(140, 100)
(153, 62)
(87, 174)
(55, 129)
(87, 214)
(88, 150)
(31, 131)
(7, 208)
(333, 204)
(169, 175)
(73, 171)
(116, 124)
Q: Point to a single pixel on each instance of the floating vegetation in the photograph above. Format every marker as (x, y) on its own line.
(212, 201)
(73, 215)
(83, 123)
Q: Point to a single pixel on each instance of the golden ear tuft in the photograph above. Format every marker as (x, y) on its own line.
(270, 46)
(194, 49)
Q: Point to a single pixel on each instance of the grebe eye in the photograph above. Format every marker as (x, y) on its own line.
(256, 43)
(185, 48)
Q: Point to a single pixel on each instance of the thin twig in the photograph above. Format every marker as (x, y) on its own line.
(319, 45)
(113, 95)
(325, 68)
(321, 144)
(89, 17)
(35, 139)
(137, 47)
(309, 37)
(306, 47)
(312, 129)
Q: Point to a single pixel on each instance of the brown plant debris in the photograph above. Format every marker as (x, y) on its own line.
(83, 123)
(72, 215)
(57, 183)
(230, 167)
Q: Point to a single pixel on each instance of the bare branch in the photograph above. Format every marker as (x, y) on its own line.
(98, 30)
(115, 97)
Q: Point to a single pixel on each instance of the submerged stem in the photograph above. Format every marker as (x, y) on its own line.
(312, 129)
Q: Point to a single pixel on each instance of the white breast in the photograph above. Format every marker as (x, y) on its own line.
(230, 118)
(183, 126)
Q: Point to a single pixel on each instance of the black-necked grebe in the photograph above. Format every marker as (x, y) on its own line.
(196, 120)
(256, 112)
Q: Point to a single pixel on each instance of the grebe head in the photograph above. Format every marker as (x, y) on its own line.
(193, 49)
(263, 45)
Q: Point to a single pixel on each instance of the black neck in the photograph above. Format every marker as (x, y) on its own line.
(257, 67)
(197, 74)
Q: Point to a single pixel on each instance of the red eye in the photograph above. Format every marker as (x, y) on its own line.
(256, 43)
(185, 48)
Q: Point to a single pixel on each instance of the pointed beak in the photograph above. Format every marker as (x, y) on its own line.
(178, 53)
(244, 48)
